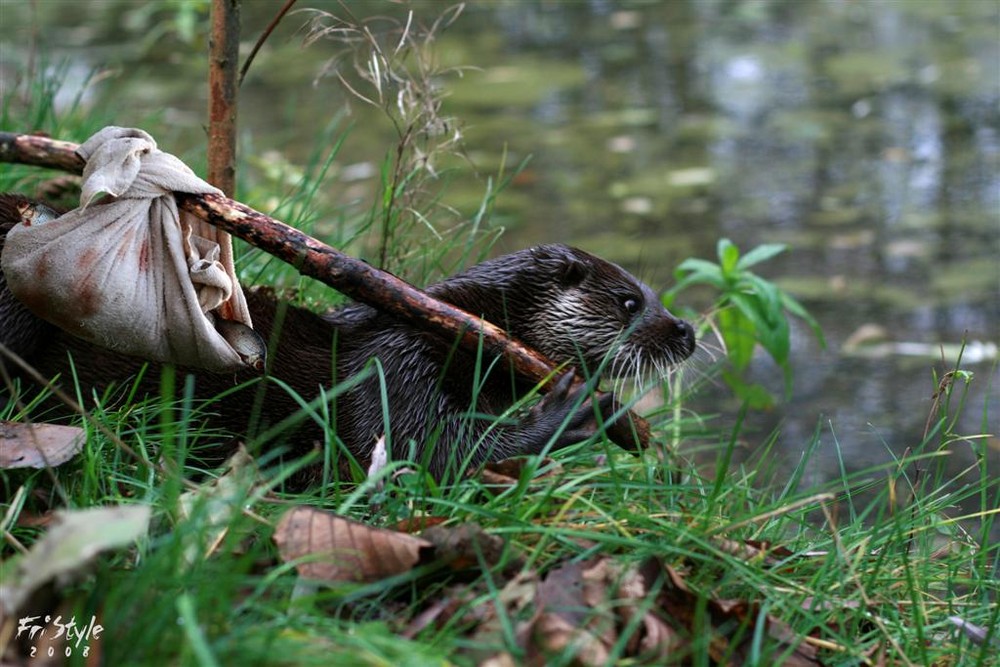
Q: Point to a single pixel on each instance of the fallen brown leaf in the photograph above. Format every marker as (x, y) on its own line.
(215, 503)
(680, 603)
(574, 614)
(38, 445)
(627, 586)
(657, 640)
(415, 524)
(554, 634)
(507, 473)
(468, 546)
(562, 593)
(437, 614)
(770, 552)
(25, 520)
(977, 634)
(328, 547)
(515, 603)
(500, 660)
(583, 608)
(69, 547)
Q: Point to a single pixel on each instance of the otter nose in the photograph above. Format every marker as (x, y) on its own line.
(687, 337)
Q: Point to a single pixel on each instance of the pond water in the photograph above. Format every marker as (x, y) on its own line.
(865, 135)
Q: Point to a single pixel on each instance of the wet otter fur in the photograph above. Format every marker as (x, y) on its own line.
(570, 305)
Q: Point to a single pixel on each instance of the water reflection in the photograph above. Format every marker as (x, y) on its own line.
(852, 132)
(865, 135)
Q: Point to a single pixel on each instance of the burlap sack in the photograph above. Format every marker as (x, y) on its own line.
(132, 273)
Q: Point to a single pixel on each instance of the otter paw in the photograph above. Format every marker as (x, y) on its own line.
(565, 412)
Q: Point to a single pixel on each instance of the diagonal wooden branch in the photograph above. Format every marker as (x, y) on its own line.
(344, 273)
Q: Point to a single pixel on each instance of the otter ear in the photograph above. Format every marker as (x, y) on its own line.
(574, 271)
(569, 266)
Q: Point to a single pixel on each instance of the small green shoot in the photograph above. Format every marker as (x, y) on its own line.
(749, 311)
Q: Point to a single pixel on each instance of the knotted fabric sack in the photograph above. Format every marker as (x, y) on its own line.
(132, 273)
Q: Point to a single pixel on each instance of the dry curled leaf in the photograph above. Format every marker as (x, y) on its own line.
(328, 547)
(437, 614)
(562, 593)
(515, 601)
(765, 553)
(977, 634)
(507, 473)
(679, 605)
(38, 445)
(468, 545)
(570, 617)
(214, 504)
(624, 587)
(554, 634)
(417, 523)
(69, 547)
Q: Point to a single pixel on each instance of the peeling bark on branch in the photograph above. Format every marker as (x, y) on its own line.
(349, 275)
(40, 151)
(224, 52)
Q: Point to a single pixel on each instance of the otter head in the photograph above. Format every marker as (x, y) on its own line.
(593, 312)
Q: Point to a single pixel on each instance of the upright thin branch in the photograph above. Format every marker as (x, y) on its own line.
(263, 38)
(224, 53)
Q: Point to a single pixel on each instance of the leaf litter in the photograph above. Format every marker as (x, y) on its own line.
(595, 611)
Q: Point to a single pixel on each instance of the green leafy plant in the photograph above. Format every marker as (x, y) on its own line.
(748, 311)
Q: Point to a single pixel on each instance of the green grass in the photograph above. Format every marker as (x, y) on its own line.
(882, 573)
(871, 564)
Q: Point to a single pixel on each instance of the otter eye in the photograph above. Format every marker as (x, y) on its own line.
(631, 306)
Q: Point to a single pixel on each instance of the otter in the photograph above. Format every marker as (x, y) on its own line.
(442, 404)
